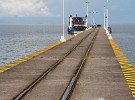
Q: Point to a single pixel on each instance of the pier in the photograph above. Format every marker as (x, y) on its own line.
(89, 66)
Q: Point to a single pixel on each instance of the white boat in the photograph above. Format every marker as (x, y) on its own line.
(77, 24)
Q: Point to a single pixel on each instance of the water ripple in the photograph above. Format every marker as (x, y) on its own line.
(19, 40)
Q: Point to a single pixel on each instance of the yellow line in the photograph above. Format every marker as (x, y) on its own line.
(30, 56)
(127, 67)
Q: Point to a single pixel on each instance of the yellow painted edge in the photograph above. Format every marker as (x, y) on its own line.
(127, 67)
(30, 56)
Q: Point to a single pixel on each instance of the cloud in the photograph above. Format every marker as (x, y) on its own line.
(22, 8)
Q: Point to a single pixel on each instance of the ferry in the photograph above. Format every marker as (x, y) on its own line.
(77, 24)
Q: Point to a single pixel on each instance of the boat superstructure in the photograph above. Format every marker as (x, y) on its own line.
(77, 24)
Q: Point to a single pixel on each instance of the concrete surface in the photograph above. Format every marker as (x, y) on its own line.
(102, 77)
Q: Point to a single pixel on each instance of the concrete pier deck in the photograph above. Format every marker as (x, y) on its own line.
(102, 77)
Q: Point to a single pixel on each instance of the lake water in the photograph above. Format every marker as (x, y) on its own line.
(19, 40)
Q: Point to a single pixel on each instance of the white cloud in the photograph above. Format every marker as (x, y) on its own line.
(24, 8)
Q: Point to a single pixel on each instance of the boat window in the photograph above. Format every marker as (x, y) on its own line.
(78, 20)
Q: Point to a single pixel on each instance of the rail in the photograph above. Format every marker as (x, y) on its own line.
(69, 90)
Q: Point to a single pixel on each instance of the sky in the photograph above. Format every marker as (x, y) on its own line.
(49, 12)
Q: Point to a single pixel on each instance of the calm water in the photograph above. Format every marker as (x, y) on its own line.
(19, 40)
(125, 37)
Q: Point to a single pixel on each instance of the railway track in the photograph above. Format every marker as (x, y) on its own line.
(74, 77)
(68, 91)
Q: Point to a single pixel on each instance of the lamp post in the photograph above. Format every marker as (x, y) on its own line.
(62, 36)
(104, 17)
(91, 18)
(107, 14)
(87, 12)
(87, 8)
(94, 17)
